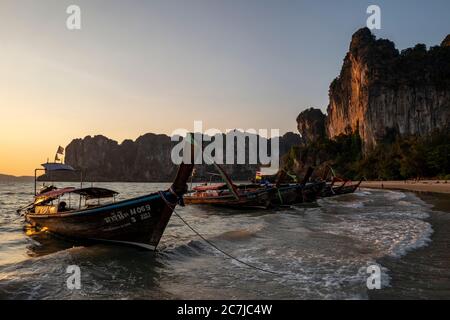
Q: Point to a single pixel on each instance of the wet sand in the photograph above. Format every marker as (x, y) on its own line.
(435, 186)
(423, 273)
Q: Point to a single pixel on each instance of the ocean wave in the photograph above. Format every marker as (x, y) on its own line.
(392, 237)
(394, 195)
(318, 252)
(329, 279)
(363, 192)
(237, 235)
(344, 203)
(412, 241)
(414, 213)
(193, 248)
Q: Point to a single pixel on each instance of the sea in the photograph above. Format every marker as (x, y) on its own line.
(322, 250)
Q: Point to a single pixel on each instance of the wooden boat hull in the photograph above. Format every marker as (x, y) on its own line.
(312, 191)
(286, 195)
(332, 191)
(140, 221)
(256, 199)
(294, 194)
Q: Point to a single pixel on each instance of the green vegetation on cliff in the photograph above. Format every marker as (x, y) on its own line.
(394, 158)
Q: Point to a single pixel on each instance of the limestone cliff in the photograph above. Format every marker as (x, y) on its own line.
(446, 42)
(381, 91)
(103, 159)
(148, 159)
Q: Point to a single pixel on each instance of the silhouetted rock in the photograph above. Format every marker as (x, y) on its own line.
(311, 124)
(148, 159)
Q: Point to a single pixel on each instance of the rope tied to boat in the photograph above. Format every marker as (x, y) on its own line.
(213, 245)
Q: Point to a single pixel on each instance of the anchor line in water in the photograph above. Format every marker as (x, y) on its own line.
(214, 245)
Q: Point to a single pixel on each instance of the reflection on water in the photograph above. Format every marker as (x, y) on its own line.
(319, 251)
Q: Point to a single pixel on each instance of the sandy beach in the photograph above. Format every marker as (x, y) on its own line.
(438, 186)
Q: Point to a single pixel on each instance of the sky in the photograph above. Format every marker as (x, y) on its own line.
(155, 66)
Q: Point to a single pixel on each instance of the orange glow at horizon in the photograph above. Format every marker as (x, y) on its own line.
(156, 66)
(44, 104)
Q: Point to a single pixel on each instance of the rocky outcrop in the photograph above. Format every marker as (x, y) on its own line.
(446, 42)
(311, 124)
(382, 91)
(148, 159)
(103, 159)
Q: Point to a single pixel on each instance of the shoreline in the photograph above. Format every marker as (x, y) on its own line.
(435, 186)
(423, 273)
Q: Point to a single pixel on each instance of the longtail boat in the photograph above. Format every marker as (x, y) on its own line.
(255, 195)
(295, 193)
(346, 187)
(333, 188)
(228, 194)
(138, 221)
(257, 198)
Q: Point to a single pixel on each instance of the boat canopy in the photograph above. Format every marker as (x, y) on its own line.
(88, 193)
(57, 167)
(50, 195)
(55, 193)
(95, 193)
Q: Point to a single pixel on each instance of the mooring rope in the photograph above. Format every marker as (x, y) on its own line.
(213, 244)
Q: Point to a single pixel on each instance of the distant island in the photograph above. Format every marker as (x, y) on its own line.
(147, 159)
(10, 178)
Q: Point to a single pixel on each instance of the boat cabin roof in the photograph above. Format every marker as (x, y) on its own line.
(52, 166)
(88, 193)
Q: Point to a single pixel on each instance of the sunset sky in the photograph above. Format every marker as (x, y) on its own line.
(155, 66)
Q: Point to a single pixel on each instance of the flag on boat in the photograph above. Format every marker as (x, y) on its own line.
(59, 151)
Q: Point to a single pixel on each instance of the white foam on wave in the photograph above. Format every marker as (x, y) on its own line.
(394, 195)
(336, 202)
(412, 240)
(362, 192)
(324, 253)
(354, 204)
(416, 213)
(387, 233)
